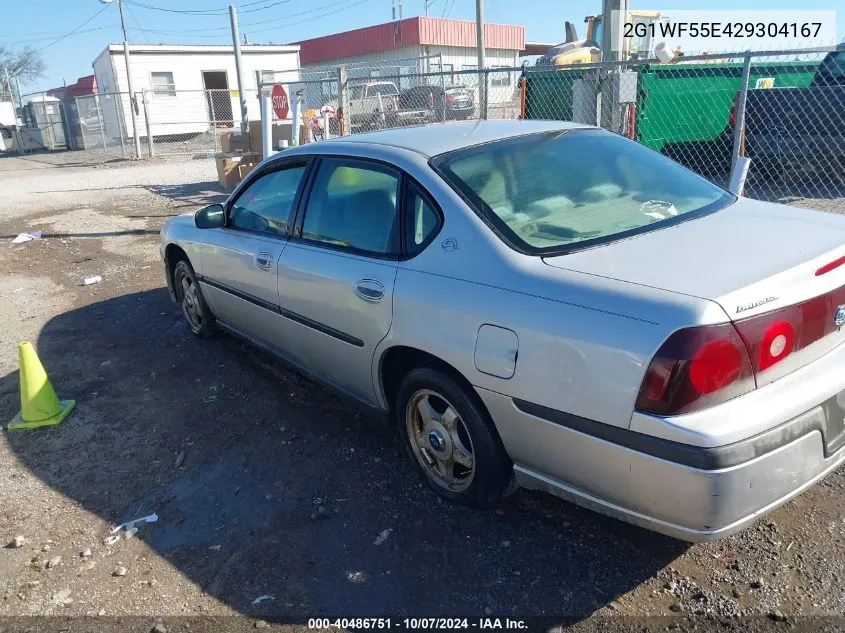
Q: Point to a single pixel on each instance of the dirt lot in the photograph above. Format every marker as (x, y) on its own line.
(276, 500)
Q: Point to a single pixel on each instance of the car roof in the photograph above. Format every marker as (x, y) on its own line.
(439, 138)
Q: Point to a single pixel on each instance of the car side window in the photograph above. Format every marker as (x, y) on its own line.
(421, 220)
(266, 205)
(353, 205)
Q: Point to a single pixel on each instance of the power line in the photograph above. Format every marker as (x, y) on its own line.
(135, 21)
(52, 36)
(69, 33)
(317, 17)
(210, 12)
(248, 24)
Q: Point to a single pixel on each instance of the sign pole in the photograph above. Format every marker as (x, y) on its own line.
(233, 15)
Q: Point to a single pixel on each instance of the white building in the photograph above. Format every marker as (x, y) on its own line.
(188, 89)
(417, 45)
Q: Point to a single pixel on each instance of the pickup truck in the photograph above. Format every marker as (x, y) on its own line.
(374, 105)
(785, 129)
(799, 129)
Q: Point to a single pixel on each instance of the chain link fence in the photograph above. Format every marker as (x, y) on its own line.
(98, 127)
(784, 110)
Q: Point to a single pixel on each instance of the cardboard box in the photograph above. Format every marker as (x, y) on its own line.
(227, 171)
(281, 131)
(235, 143)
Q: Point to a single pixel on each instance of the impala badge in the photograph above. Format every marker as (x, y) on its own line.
(754, 304)
(839, 317)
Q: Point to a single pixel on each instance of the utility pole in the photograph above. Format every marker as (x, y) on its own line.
(236, 40)
(614, 16)
(132, 109)
(611, 40)
(479, 36)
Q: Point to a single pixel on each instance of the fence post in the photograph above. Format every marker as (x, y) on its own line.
(523, 94)
(443, 88)
(150, 146)
(344, 120)
(100, 123)
(739, 124)
(296, 117)
(213, 116)
(121, 121)
(484, 78)
(266, 122)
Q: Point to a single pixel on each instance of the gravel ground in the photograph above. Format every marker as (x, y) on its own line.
(277, 501)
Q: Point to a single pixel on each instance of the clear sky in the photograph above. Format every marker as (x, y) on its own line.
(39, 23)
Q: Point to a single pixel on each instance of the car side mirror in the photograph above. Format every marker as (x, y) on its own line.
(211, 217)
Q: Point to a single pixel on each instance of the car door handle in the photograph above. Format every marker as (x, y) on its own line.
(264, 261)
(370, 290)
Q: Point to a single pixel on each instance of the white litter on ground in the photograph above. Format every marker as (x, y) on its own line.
(382, 536)
(26, 237)
(150, 518)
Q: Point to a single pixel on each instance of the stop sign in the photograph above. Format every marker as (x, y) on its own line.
(280, 101)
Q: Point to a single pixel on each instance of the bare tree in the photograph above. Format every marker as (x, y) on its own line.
(25, 65)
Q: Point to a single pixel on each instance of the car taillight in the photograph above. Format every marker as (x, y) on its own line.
(772, 337)
(694, 368)
(703, 366)
(450, 99)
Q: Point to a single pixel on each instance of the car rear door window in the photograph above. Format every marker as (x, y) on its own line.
(421, 220)
(352, 206)
(267, 203)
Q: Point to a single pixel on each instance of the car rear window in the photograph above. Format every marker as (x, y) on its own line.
(554, 192)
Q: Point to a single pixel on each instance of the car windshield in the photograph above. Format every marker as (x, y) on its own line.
(386, 90)
(553, 192)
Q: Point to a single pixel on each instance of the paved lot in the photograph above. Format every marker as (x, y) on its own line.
(265, 484)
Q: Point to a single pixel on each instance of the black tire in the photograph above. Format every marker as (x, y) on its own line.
(492, 469)
(194, 308)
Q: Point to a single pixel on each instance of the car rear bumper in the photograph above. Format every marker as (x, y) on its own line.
(455, 112)
(691, 502)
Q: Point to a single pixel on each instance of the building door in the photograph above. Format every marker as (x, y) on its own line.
(217, 97)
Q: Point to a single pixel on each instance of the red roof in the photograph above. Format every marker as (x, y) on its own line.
(84, 86)
(419, 31)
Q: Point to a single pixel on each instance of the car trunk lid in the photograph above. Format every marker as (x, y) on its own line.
(751, 257)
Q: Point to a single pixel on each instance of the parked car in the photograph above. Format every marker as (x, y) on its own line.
(542, 303)
(372, 105)
(437, 103)
(801, 129)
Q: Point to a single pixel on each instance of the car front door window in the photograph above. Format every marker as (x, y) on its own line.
(266, 204)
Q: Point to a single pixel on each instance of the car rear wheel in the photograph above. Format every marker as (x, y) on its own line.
(190, 299)
(451, 439)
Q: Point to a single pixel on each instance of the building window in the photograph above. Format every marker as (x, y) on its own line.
(162, 84)
(266, 78)
(500, 78)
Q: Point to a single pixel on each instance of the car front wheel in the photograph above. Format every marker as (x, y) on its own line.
(190, 299)
(451, 439)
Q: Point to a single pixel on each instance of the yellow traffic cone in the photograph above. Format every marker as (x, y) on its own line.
(39, 404)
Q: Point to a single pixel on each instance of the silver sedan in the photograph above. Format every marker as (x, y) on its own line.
(546, 305)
